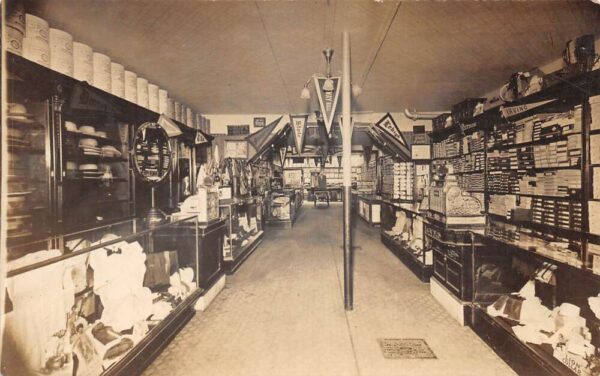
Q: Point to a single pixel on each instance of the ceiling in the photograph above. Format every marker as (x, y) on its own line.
(254, 57)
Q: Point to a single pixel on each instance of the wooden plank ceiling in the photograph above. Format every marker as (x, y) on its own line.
(254, 57)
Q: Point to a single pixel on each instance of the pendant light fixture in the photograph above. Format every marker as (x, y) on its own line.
(328, 85)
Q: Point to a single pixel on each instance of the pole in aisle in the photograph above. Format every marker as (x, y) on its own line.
(346, 162)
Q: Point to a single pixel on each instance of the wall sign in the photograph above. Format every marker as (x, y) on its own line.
(260, 122)
(236, 149)
(238, 130)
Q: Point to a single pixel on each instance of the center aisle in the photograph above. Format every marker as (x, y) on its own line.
(282, 313)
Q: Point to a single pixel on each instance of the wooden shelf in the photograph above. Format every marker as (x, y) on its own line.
(532, 143)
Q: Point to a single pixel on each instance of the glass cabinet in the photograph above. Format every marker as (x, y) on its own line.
(402, 231)
(244, 230)
(96, 304)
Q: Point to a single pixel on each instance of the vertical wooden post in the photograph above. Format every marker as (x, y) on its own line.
(346, 163)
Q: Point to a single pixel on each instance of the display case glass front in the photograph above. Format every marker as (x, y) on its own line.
(244, 226)
(84, 309)
(549, 309)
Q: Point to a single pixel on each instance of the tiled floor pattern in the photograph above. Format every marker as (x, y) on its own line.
(282, 314)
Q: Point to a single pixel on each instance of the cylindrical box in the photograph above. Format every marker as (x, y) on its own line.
(117, 77)
(142, 92)
(177, 106)
(61, 52)
(131, 86)
(36, 27)
(83, 62)
(14, 40)
(163, 101)
(37, 50)
(102, 77)
(153, 97)
(171, 108)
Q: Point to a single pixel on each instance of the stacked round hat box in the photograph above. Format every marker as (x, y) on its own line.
(15, 29)
(61, 52)
(32, 37)
(36, 43)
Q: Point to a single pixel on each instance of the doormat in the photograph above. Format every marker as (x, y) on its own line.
(405, 348)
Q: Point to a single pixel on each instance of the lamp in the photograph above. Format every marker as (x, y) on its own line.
(305, 93)
(328, 84)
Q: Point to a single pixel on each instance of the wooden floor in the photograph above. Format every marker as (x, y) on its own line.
(282, 313)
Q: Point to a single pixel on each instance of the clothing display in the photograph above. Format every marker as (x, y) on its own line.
(126, 208)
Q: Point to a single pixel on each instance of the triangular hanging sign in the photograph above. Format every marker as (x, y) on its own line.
(388, 125)
(299, 130)
(367, 149)
(343, 125)
(515, 110)
(316, 160)
(200, 139)
(283, 154)
(328, 99)
(339, 158)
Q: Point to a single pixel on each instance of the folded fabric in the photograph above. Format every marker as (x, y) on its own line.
(121, 347)
(159, 267)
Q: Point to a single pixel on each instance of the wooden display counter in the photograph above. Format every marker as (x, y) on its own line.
(369, 209)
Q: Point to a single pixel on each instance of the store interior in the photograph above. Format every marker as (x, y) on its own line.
(300, 188)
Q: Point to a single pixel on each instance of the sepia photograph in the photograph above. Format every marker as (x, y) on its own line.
(300, 188)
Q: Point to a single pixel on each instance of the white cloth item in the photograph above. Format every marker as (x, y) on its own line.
(41, 300)
(594, 302)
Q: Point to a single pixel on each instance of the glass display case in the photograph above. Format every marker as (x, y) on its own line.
(540, 314)
(402, 232)
(369, 208)
(244, 230)
(282, 206)
(105, 303)
(28, 134)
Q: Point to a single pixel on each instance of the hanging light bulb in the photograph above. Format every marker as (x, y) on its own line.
(356, 90)
(328, 85)
(305, 93)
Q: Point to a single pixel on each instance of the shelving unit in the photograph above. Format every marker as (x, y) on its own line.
(543, 153)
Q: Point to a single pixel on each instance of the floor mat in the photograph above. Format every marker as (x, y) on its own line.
(405, 348)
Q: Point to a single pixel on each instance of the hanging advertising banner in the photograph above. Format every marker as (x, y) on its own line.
(283, 154)
(299, 130)
(328, 99)
(389, 126)
(367, 150)
(515, 110)
(200, 139)
(339, 158)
